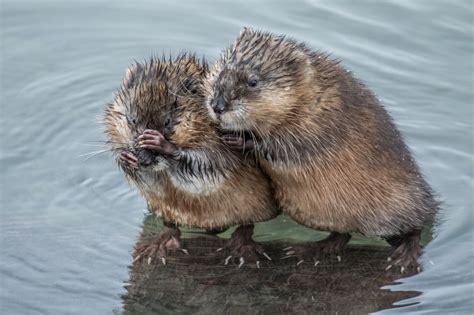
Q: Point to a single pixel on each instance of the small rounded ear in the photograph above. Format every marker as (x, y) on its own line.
(131, 75)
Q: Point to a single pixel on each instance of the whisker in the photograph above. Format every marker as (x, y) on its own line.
(107, 142)
(93, 144)
(118, 143)
(93, 154)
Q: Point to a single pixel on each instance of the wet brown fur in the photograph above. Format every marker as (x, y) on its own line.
(332, 151)
(149, 93)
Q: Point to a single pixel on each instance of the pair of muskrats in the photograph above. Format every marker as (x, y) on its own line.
(273, 127)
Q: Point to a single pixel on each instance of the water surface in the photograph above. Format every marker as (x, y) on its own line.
(68, 224)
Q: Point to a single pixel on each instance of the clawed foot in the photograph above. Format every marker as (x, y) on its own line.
(128, 159)
(155, 141)
(133, 161)
(237, 142)
(158, 248)
(243, 249)
(331, 246)
(405, 255)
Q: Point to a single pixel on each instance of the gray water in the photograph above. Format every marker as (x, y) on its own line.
(68, 224)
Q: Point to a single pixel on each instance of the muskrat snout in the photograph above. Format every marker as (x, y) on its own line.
(219, 105)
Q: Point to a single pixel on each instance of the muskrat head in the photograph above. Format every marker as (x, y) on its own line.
(258, 82)
(153, 95)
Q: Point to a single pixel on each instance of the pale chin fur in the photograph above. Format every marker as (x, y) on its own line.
(160, 165)
(235, 120)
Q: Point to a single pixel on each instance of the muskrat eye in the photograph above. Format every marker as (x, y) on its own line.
(252, 82)
(131, 120)
(167, 122)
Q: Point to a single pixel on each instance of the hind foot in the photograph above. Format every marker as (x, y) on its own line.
(331, 246)
(159, 246)
(405, 252)
(243, 249)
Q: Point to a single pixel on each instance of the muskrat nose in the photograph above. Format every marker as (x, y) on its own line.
(219, 105)
(145, 157)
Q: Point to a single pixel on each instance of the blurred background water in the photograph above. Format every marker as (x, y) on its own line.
(68, 224)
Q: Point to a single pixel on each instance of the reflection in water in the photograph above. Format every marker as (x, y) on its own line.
(67, 225)
(201, 283)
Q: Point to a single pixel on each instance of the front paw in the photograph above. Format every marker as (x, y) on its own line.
(155, 141)
(128, 160)
(236, 142)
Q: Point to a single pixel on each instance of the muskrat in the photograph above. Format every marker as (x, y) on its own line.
(163, 140)
(333, 153)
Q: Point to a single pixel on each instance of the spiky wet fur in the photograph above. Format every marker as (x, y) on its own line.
(204, 184)
(335, 157)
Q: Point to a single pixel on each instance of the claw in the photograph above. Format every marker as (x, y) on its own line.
(339, 259)
(300, 262)
(227, 260)
(241, 262)
(418, 269)
(287, 248)
(149, 260)
(258, 264)
(136, 259)
(290, 252)
(266, 256)
(163, 260)
(388, 267)
(389, 259)
(402, 270)
(185, 251)
(316, 263)
(219, 249)
(285, 257)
